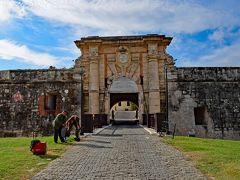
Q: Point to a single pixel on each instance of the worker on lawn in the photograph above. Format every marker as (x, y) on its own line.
(73, 121)
(58, 124)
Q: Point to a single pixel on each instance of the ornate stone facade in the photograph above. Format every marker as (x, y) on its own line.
(106, 59)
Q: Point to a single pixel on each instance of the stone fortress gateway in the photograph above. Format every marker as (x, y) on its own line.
(127, 68)
(204, 102)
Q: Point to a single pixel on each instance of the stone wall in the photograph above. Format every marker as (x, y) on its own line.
(24, 104)
(205, 102)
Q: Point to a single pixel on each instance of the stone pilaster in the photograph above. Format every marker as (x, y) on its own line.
(94, 81)
(154, 95)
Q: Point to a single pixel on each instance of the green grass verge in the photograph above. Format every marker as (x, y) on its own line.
(214, 157)
(17, 161)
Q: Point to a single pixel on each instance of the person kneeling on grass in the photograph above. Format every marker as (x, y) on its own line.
(58, 124)
(73, 121)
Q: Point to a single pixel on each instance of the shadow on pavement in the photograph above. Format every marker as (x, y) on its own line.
(109, 135)
(104, 142)
(92, 145)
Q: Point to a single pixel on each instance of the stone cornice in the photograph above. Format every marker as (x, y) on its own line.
(150, 38)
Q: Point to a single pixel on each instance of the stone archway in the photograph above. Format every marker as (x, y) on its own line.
(123, 89)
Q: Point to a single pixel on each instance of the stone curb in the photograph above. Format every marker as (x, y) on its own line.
(149, 130)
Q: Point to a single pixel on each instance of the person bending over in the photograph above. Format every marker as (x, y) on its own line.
(73, 121)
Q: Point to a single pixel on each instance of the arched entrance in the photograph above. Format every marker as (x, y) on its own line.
(123, 90)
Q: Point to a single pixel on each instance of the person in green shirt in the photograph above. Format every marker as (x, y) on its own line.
(58, 124)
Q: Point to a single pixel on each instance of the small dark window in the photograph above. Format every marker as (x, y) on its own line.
(199, 114)
(128, 103)
(106, 82)
(51, 102)
(141, 79)
(119, 104)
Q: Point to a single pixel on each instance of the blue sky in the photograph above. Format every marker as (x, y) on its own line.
(36, 34)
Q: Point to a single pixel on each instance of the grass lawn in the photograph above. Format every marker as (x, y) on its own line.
(17, 161)
(214, 157)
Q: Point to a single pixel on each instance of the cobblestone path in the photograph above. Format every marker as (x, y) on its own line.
(121, 152)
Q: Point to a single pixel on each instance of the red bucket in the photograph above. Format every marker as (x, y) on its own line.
(40, 148)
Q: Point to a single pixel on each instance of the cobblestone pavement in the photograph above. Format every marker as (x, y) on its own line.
(121, 152)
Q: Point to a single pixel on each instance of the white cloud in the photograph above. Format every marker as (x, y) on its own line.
(12, 51)
(10, 9)
(125, 17)
(217, 35)
(228, 56)
(225, 56)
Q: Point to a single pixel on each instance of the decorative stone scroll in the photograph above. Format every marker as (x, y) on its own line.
(152, 49)
(93, 51)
